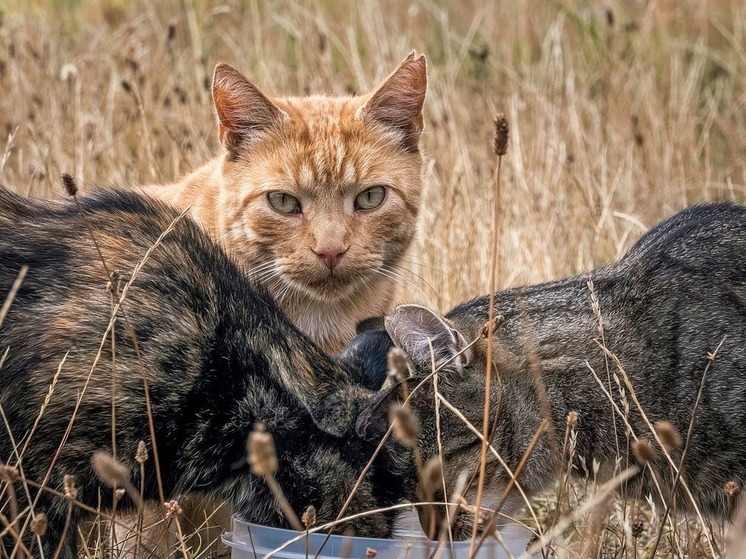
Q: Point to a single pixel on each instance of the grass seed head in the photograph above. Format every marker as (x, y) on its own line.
(432, 476)
(112, 473)
(142, 452)
(406, 425)
(39, 524)
(496, 322)
(261, 448)
(8, 473)
(668, 435)
(397, 363)
(572, 418)
(71, 187)
(113, 285)
(309, 516)
(638, 527)
(732, 488)
(68, 483)
(643, 451)
(502, 132)
(173, 509)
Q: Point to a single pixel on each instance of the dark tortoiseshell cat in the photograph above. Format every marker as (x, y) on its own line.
(217, 353)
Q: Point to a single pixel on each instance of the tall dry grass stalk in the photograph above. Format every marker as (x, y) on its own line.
(500, 147)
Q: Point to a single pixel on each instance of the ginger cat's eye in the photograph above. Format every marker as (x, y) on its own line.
(370, 198)
(284, 203)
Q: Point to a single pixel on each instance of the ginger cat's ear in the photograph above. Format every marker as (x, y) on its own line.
(397, 102)
(244, 112)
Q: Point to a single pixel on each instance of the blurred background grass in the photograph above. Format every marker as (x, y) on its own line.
(621, 112)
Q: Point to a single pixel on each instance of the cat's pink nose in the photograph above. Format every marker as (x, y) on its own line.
(330, 255)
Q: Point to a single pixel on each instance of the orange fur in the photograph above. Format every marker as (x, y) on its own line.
(324, 151)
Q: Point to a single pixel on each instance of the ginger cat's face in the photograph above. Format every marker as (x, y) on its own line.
(320, 194)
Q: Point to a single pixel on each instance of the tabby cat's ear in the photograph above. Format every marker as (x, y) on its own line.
(397, 102)
(244, 112)
(423, 336)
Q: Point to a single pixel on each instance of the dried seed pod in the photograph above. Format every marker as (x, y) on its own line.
(431, 478)
(39, 524)
(502, 133)
(668, 435)
(71, 186)
(112, 473)
(173, 509)
(406, 425)
(141, 456)
(643, 451)
(638, 527)
(397, 363)
(262, 456)
(9, 473)
(309, 516)
(732, 488)
(68, 483)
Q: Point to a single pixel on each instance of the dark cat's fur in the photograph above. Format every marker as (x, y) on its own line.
(218, 356)
(677, 296)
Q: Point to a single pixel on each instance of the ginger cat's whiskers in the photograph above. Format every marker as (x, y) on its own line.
(418, 277)
(262, 267)
(265, 271)
(402, 280)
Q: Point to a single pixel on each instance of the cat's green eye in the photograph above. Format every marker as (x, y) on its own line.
(284, 203)
(370, 198)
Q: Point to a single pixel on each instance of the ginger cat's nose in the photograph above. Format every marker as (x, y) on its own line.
(330, 255)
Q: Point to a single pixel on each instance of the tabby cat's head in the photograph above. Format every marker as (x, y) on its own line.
(321, 194)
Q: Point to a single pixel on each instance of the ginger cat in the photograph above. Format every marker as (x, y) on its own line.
(316, 196)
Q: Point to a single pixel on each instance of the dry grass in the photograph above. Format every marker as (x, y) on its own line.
(620, 114)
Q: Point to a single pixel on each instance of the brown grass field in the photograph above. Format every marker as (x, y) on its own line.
(621, 113)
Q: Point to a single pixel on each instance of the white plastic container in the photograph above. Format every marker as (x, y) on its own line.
(252, 541)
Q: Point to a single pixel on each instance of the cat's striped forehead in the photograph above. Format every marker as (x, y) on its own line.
(320, 107)
(325, 143)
